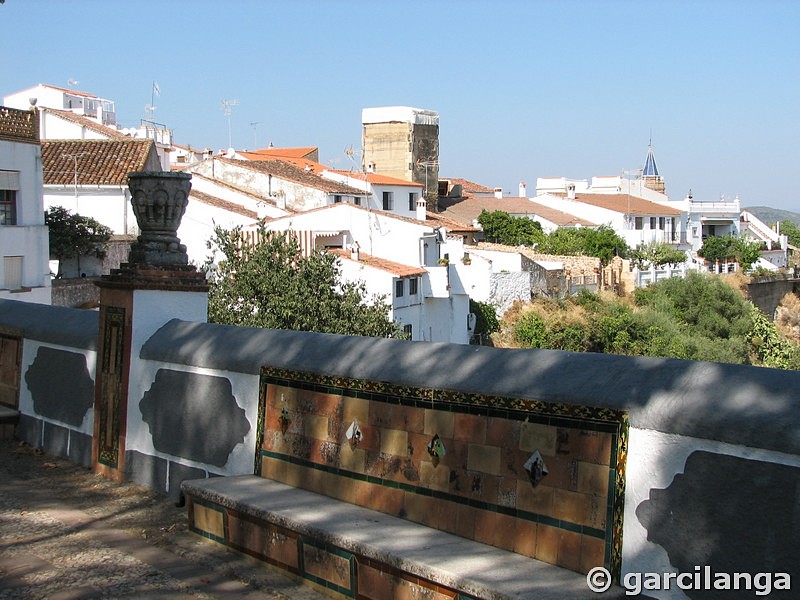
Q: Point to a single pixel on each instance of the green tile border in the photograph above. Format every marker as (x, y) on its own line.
(599, 419)
(206, 534)
(331, 549)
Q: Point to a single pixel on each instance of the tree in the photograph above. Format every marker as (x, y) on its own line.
(270, 284)
(73, 235)
(791, 231)
(602, 242)
(656, 254)
(502, 228)
(731, 248)
(486, 322)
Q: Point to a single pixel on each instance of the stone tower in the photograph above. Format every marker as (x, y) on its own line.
(402, 142)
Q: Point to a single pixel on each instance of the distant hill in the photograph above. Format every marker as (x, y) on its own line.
(771, 216)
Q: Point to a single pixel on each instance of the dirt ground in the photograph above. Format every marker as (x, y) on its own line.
(73, 529)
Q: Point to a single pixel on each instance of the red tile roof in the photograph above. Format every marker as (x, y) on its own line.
(377, 178)
(289, 172)
(97, 162)
(468, 187)
(270, 153)
(223, 204)
(85, 122)
(395, 268)
(624, 203)
(466, 210)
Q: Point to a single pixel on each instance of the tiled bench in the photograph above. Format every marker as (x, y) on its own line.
(354, 552)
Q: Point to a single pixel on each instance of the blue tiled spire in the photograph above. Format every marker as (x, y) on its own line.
(650, 168)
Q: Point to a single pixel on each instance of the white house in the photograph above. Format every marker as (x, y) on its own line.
(74, 101)
(213, 203)
(24, 246)
(73, 115)
(293, 189)
(396, 257)
(466, 210)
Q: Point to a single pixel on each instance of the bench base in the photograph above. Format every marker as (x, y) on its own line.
(354, 552)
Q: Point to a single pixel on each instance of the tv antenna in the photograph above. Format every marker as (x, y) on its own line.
(227, 106)
(72, 83)
(255, 124)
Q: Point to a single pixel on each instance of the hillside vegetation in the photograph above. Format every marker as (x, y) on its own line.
(701, 317)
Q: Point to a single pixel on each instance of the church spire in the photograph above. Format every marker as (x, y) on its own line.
(650, 168)
(650, 174)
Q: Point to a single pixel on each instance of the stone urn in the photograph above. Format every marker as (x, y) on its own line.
(159, 199)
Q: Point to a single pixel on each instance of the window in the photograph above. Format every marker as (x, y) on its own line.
(652, 222)
(12, 265)
(356, 200)
(412, 286)
(399, 288)
(337, 198)
(661, 223)
(407, 329)
(8, 207)
(638, 222)
(387, 201)
(412, 201)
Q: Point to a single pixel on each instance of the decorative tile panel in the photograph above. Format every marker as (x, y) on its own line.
(454, 461)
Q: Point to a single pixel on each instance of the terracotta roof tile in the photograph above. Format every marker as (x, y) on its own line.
(624, 203)
(281, 153)
(290, 172)
(467, 186)
(377, 178)
(395, 268)
(223, 204)
(86, 122)
(98, 162)
(466, 210)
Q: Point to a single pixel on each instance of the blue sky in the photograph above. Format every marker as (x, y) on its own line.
(524, 89)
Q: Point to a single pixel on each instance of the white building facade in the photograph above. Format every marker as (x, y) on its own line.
(24, 246)
(398, 258)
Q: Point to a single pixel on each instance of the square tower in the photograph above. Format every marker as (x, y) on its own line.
(402, 142)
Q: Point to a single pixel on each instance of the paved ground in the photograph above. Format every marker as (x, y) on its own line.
(68, 534)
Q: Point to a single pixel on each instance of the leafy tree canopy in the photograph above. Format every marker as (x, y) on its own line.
(271, 284)
(73, 235)
(501, 228)
(656, 254)
(792, 232)
(601, 242)
(731, 248)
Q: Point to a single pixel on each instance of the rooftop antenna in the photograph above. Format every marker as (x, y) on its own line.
(227, 105)
(72, 83)
(150, 109)
(255, 124)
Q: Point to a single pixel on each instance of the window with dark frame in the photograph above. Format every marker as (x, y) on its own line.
(412, 286)
(8, 207)
(412, 201)
(399, 288)
(387, 200)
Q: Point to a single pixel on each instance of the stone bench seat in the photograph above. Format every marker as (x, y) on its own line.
(387, 550)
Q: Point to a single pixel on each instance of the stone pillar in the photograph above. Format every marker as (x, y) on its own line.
(156, 285)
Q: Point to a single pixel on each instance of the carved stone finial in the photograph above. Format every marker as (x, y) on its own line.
(159, 199)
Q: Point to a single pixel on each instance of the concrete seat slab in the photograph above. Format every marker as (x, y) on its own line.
(449, 560)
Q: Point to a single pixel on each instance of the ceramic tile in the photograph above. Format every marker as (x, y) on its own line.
(470, 428)
(547, 540)
(569, 550)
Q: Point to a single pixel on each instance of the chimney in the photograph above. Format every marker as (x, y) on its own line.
(571, 191)
(498, 192)
(355, 252)
(523, 192)
(422, 208)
